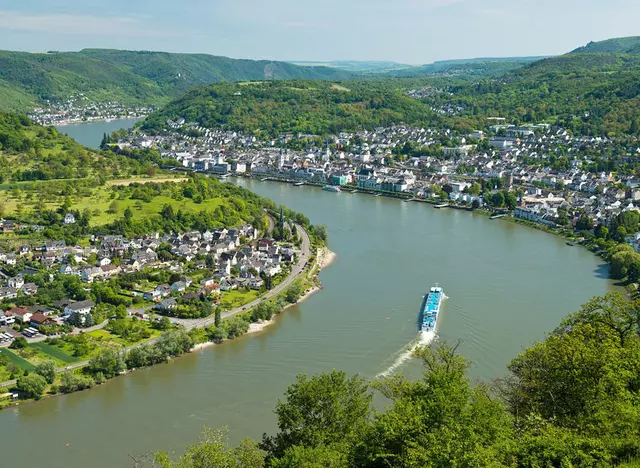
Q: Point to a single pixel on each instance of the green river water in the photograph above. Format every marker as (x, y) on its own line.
(507, 285)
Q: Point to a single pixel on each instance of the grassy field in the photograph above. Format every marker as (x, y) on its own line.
(237, 298)
(17, 360)
(55, 353)
(101, 200)
(104, 336)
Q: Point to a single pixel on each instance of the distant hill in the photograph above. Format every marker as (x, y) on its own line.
(619, 45)
(468, 68)
(272, 108)
(361, 67)
(589, 93)
(130, 76)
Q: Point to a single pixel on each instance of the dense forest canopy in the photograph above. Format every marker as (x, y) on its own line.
(311, 107)
(587, 93)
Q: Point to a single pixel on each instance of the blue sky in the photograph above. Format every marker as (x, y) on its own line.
(409, 31)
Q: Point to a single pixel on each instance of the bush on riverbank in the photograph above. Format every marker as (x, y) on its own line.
(570, 400)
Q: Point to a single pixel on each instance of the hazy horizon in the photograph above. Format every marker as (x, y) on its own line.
(406, 31)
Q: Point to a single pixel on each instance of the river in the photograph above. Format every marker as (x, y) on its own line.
(507, 285)
(90, 134)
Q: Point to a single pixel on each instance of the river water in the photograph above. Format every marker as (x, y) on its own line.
(90, 134)
(507, 285)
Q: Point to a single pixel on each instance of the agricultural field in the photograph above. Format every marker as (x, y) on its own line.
(17, 360)
(54, 353)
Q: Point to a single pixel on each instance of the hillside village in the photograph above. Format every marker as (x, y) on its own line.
(558, 178)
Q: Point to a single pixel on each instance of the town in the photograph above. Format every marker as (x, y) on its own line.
(79, 109)
(540, 172)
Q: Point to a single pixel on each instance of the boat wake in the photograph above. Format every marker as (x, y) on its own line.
(424, 338)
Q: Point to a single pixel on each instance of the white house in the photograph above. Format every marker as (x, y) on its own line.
(81, 307)
(16, 282)
(69, 218)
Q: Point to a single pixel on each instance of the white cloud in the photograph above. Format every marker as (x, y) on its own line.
(71, 24)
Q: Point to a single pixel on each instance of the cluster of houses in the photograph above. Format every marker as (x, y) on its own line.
(522, 156)
(38, 315)
(239, 257)
(79, 109)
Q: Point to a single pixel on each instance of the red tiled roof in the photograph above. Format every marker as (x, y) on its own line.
(17, 311)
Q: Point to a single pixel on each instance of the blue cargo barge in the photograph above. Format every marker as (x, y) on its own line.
(429, 319)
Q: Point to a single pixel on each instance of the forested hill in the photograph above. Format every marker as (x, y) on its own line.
(592, 93)
(468, 68)
(620, 45)
(311, 107)
(30, 152)
(128, 76)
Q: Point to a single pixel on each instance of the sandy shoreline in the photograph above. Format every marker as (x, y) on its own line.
(325, 257)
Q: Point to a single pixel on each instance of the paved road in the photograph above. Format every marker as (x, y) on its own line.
(190, 324)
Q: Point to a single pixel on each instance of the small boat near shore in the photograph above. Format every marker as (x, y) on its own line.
(570, 244)
(332, 188)
(298, 184)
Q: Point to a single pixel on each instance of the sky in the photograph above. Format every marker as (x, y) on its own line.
(406, 31)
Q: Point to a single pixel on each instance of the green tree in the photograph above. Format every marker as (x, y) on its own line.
(584, 223)
(19, 342)
(235, 327)
(128, 214)
(601, 232)
(32, 385)
(213, 451)
(497, 199)
(326, 409)
(293, 292)
(70, 382)
(164, 324)
(109, 362)
(217, 317)
(510, 200)
(440, 420)
(584, 376)
(621, 262)
(47, 369)
(312, 457)
(474, 189)
(113, 207)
